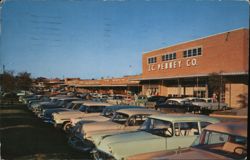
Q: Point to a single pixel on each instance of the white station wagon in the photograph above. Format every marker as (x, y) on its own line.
(158, 133)
(122, 121)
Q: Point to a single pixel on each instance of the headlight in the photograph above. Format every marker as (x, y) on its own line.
(110, 150)
(85, 136)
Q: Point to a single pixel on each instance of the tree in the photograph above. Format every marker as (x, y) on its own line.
(7, 81)
(24, 81)
(216, 85)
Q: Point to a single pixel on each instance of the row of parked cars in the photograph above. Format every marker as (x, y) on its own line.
(187, 104)
(110, 131)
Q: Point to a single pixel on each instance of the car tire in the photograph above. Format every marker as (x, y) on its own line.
(66, 126)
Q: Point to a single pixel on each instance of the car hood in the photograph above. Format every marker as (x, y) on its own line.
(98, 137)
(132, 143)
(95, 127)
(89, 119)
(48, 112)
(73, 114)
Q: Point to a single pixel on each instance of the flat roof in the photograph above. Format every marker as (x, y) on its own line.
(190, 76)
(242, 28)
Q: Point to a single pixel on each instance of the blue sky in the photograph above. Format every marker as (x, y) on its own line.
(94, 38)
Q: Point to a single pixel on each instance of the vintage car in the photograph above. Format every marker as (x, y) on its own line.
(158, 133)
(155, 100)
(105, 115)
(210, 104)
(225, 140)
(46, 114)
(141, 100)
(115, 99)
(88, 108)
(177, 105)
(61, 103)
(123, 120)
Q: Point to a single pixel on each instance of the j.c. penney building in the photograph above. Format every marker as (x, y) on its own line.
(184, 69)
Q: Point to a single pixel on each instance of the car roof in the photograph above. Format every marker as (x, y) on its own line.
(134, 111)
(234, 128)
(65, 98)
(177, 99)
(78, 101)
(185, 117)
(123, 106)
(92, 103)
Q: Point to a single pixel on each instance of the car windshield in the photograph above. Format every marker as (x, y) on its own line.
(158, 127)
(107, 112)
(224, 144)
(141, 97)
(156, 98)
(91, 109)
(76, 106)
(69, 105)
(60, 103)
(120, 118)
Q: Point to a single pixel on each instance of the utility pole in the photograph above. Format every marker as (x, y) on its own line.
(3, 68)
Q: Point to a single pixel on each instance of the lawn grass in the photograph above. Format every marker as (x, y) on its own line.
(24, 136)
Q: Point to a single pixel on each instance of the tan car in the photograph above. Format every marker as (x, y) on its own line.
(225, 140)
(122, 121)
(88, 108)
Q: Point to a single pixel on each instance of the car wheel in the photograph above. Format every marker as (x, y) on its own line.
(66, 127)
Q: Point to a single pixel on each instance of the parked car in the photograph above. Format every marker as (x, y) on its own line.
(155, 100)
(115, 99)
(46, 114)
(211, 104)
(225, 140)
(123, 120)
(61, 103)
(177, 105)
(88, 108)
(158, 133)
(54, 100)
(41, 99)
(105, 115)
(8, 97)
(141, 100)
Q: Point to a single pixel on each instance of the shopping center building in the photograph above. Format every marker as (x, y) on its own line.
(187, 69)
(121, 85)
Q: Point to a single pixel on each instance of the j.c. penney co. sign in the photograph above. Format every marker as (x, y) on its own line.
(173, 64)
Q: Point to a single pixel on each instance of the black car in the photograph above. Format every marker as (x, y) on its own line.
(175, 105)
(155, 100)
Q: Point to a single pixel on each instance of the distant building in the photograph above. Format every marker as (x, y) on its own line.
(121, 85)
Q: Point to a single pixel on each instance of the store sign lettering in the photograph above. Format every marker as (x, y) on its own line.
(172, 65)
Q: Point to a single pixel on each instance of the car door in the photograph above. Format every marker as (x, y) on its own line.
(185, 134)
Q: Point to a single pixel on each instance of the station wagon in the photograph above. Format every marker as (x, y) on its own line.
(122, 121)
(158, 133)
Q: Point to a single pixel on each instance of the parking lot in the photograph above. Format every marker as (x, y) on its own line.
(24, 136)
